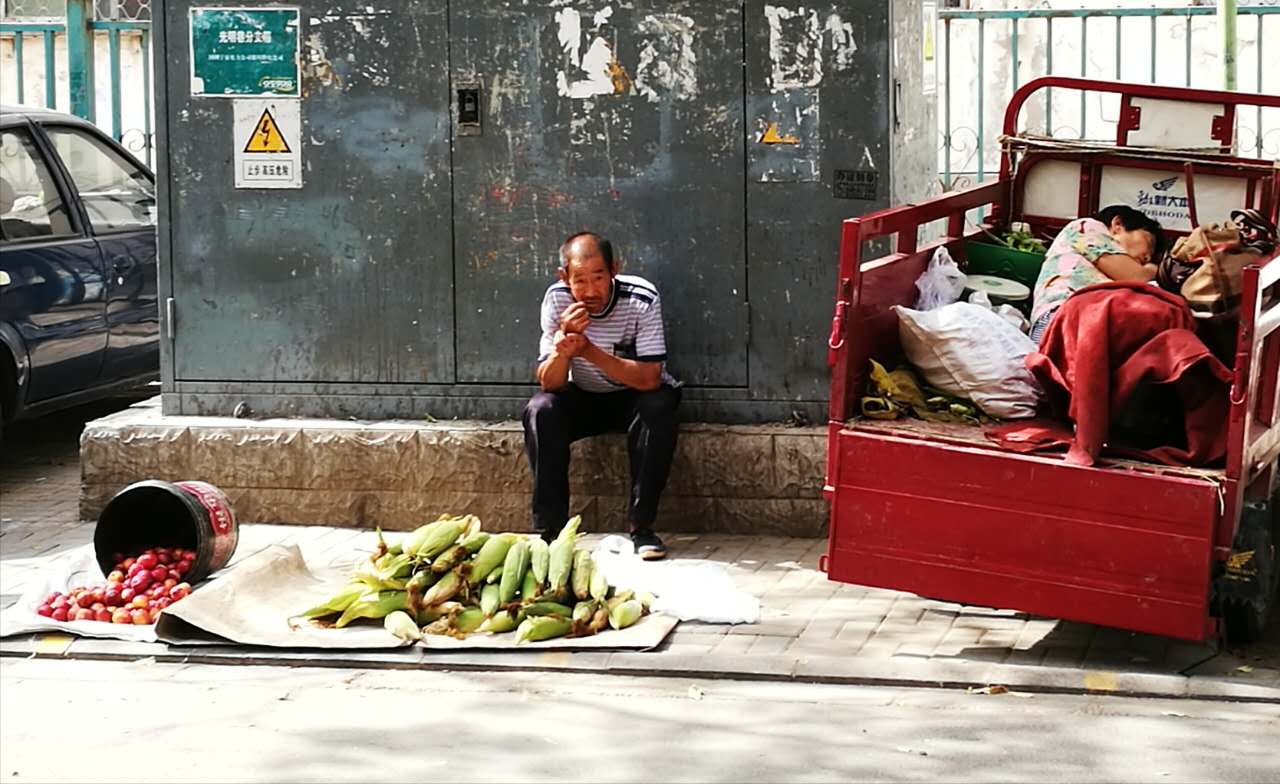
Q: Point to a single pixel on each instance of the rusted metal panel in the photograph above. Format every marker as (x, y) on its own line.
(449, 147)
(622, 118)
(347, 279)
(819, 123)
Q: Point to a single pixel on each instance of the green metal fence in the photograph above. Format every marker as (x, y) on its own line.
(85, 32)
(1027, 40)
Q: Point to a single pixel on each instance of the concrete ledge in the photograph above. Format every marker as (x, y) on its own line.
(741, 479)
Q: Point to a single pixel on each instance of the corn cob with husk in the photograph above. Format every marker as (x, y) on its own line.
(417, 587)
(599, 585)
(580, 580)
(467, 620)
(530, 589)
(441, 538)
(474, 541)
(543, 627)
(489, 557)
(560, 559)
(427, 615)
(418, 536)
(626, 614)
(376, 606)
(401, 625)
(387, 573)
(548, 608)
(599, 618)
(619, 598)
(494, 577)
(445, 589)
(339, 602)
(458, 622)
(503, 621)
(450, 558)
(489, 601)
(582, 612)
(539, 558)
(513, 569)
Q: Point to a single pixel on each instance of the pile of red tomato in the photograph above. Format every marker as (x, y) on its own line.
(136, 591)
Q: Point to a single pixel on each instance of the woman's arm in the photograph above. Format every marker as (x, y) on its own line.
(1118, 266)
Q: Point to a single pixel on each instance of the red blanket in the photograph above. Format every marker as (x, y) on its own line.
(1104, 342)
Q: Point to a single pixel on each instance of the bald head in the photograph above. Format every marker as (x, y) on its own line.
(586, 245)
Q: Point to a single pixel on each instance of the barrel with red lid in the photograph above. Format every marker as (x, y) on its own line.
(153, 513)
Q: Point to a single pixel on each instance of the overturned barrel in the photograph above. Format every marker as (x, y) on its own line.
(152, 513)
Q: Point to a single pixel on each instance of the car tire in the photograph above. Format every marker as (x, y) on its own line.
(8, 388)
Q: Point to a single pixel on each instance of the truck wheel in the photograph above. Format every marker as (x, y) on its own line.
(1247, 589)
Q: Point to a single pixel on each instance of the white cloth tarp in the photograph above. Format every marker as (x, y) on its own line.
(258, 602)
(61, 572)
(690, 589)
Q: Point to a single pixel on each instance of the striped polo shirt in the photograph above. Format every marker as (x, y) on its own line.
(629, 327)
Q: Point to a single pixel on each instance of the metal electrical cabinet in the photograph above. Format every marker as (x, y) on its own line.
(445, 149)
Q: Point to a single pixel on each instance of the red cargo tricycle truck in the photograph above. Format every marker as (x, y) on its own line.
(941, 511)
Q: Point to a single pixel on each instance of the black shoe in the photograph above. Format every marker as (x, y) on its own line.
(648, 545)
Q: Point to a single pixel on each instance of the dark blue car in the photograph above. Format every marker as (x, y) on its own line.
(78, 312)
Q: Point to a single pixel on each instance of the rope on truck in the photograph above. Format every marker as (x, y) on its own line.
(1030, 141)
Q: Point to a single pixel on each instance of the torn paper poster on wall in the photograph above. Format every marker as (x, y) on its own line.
(787, 137)
(795, 47)
(840, 37)
(668, 65)
(801, 43)
(587, 74)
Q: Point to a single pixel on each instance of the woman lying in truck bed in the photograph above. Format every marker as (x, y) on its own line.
(1121, 243)
(1118, 357)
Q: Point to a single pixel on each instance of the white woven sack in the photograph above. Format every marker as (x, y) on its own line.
(971, 352)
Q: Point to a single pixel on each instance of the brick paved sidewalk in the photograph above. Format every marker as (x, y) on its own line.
(810, 625)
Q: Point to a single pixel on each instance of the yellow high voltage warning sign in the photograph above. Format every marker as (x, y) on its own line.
(266, 136)
(268, 143)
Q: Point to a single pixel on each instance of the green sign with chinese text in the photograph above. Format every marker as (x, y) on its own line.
(245, 52)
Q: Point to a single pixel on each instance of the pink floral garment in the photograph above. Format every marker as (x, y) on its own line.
(1069, 264)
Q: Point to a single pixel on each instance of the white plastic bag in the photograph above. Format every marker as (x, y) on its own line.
(970, 352)
(62, 572)
(689, 589)
(942, 282)
(1006, 311)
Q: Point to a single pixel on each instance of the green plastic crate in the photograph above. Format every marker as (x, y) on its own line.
(988, 258)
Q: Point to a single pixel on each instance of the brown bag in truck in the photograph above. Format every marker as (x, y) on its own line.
(1216, 257)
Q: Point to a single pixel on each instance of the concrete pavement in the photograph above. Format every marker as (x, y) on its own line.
(152, 721)
(812, 629)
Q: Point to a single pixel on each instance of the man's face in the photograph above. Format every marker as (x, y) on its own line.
(588, 277)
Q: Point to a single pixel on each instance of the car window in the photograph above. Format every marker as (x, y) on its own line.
(116, 193)
(30, 205)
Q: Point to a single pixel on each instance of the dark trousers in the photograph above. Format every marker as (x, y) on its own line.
(554, 420)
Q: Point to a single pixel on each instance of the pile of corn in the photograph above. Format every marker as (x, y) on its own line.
(449, 577)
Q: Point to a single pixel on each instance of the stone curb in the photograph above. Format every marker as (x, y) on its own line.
(838, 670)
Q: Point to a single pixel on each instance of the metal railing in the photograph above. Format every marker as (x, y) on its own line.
(87, 28)
(1017, 26)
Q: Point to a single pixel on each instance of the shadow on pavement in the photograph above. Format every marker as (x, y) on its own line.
(54, 439)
